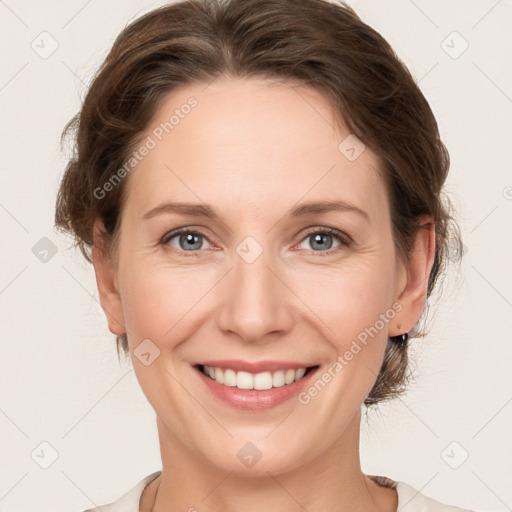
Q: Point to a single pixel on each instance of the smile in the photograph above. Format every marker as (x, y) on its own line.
(254, 391)
(258, 381)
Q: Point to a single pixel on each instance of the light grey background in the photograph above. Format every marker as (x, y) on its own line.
(60, 381)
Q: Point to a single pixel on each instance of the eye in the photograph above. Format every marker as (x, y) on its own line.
(187, 240)
(318, 239)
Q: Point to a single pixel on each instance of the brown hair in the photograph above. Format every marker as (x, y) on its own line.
(314, 42)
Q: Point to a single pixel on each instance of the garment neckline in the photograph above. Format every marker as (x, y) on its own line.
(381, 480)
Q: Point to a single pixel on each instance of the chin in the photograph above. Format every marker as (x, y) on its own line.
(258, 459)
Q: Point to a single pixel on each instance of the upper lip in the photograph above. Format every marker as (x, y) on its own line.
(254, 367)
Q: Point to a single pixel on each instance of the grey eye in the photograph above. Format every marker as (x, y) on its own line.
(322, 241)
(187, 241)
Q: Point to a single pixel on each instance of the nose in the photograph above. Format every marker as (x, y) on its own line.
(254, 300)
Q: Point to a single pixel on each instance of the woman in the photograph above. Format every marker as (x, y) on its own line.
(259, 188)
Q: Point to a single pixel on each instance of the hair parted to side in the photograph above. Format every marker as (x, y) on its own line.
(319, 43)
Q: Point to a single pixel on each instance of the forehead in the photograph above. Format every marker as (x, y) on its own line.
(250, 143)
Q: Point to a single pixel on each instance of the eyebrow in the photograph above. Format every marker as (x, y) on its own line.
(207, 211)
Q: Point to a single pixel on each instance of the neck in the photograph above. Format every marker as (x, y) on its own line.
(331, 481)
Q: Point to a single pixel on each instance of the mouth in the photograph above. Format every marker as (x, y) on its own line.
(255, 381)
(254, 392)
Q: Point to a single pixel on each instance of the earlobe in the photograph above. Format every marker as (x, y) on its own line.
(418, 268)
(107, 283)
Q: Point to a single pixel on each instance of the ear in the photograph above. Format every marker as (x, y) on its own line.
(106, 280)
(413, 294)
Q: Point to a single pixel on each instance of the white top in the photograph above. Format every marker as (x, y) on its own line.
(409, 499)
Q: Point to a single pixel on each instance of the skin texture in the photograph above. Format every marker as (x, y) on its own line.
(254, 149)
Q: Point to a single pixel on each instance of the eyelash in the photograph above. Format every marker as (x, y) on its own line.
(344, 239)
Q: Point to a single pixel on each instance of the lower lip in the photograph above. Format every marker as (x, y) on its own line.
(254, 399)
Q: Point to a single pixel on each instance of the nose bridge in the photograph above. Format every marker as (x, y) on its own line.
(254, 300)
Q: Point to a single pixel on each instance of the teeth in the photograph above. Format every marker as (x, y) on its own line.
(260, 381)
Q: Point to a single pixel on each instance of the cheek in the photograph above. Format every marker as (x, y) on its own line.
(161, 303)
(152, 304)
(347, 300)
(354, 310)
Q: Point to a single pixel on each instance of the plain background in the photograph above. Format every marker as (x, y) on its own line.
(63, 393)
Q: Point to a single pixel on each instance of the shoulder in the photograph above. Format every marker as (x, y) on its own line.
(411, 500)
(128, 502)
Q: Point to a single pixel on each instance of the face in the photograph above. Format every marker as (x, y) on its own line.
(265, 279)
